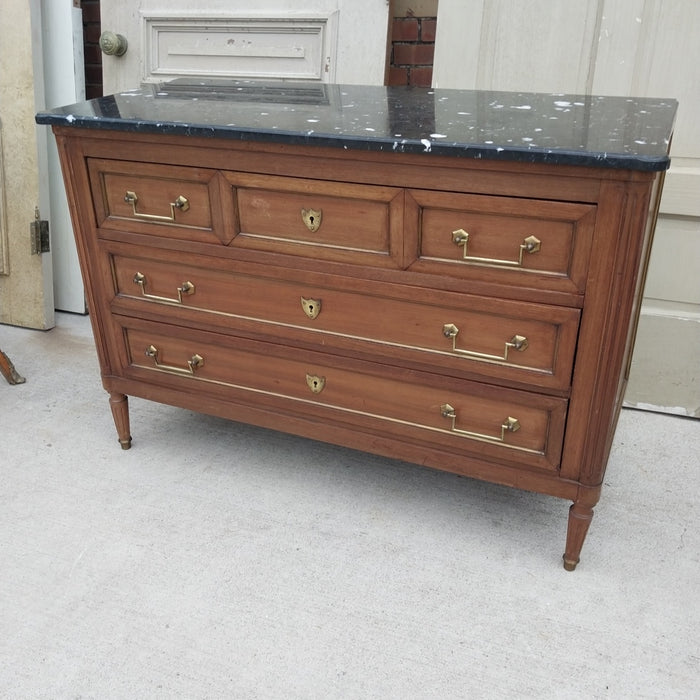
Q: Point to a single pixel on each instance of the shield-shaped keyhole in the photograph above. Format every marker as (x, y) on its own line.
(312, 307)
(312, 218)
(315, 383)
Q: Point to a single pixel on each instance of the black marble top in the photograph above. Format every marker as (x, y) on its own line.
(611, 132)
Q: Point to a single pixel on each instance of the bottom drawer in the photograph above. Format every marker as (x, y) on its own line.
(518, 427)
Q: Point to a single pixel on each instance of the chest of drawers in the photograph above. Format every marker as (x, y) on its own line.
(433, 297)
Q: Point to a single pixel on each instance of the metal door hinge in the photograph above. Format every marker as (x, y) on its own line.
(39, 234)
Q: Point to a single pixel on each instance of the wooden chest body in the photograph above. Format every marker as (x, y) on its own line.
(469, 315)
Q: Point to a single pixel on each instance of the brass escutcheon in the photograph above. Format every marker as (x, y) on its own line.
(312, 218)
(315, 383)
(312, 307)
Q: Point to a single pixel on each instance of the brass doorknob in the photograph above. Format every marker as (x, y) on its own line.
(113, 44)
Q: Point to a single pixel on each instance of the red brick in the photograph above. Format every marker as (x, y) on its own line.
(413, 54)
(421, 77)
(92, 91)
(427, 29)
(91, 33)
(397, 76)
(91, 11)
(93, 75)
(404, 29)
(92, 54)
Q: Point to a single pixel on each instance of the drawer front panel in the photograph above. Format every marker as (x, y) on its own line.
(530, 343)
(516, 241)
(168, 201)
(457, 415)
(324, 220)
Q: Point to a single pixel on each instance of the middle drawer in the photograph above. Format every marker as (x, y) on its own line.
(463, 335)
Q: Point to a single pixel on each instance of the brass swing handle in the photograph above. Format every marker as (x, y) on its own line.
(195, 362)
(517, 342)
(509, 425)
(185, 288)
(531, 244)
(181, 203)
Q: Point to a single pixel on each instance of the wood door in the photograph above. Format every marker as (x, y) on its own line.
(340, 41)
(26, 288)
(623, 47)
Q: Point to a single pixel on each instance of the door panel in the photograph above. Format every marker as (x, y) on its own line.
(625, 47)
(64, 84)
(26, 289)
(340, 41)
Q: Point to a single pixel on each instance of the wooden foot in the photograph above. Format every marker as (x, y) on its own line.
(580, 516)
(8, 370)
(119, 403)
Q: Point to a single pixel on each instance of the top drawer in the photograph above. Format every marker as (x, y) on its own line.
(161, 200)
(339, 221)
(533, 243)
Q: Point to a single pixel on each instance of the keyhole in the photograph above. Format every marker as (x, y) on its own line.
(316, 384)
(311, 307)
(312, 218)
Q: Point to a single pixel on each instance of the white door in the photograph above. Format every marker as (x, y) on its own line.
(26, 290)
(64, 81)
(624, 47)
(341, 41)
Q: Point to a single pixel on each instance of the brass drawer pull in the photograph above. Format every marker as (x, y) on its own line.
(185, 288)
(517, 342)
(195, 362)
(529, 245)
(180, 203)
(509, 425)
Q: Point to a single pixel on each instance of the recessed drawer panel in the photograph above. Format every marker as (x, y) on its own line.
(167, 201)
(463, 334)
(458, 415)
(502, 239)
(360, 224)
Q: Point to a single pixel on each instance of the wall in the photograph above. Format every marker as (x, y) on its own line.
(412, 43)
(91, 48)
(623, 47)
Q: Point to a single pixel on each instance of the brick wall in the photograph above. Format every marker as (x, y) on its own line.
(412, 49)
(91, 47)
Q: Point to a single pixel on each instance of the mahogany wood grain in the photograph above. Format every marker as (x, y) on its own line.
(368, 319)
(362, 394)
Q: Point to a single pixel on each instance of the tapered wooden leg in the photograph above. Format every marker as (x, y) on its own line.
(580, 516)
(119, 403)
(7, 369)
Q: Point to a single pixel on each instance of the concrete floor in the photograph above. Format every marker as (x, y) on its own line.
(215, 560)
